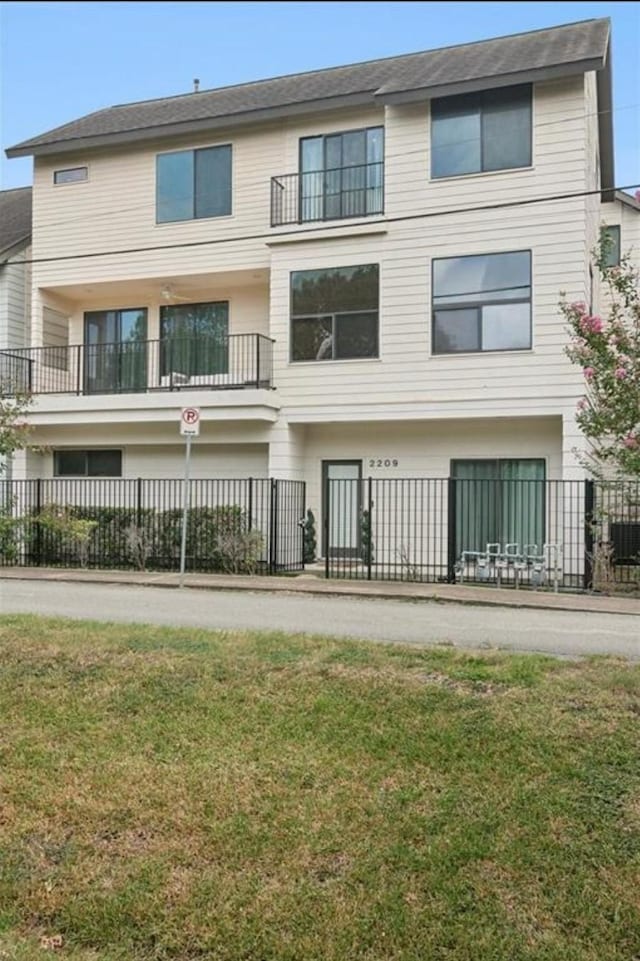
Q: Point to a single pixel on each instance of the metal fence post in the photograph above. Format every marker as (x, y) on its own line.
(250, 505)
(325, 523)
(451, 530)
(273, 527)
(139, 501)
(369, 545)
(38, 537)
(589, 510)
(303, 515)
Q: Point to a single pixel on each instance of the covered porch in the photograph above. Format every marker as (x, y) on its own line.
(204, 331)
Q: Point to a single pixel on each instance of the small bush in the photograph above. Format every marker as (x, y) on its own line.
(310, 543)
(74, 533)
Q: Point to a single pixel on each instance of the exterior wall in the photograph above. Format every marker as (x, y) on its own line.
(407, 382)
(426, 449)
(167, 461)
(15, 300)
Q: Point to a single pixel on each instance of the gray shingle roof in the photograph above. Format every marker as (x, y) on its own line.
(377, 80)
(15, 217)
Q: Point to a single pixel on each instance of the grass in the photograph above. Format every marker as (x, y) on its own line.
(174, 794)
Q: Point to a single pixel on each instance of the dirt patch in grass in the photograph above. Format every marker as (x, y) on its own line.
(187, 795)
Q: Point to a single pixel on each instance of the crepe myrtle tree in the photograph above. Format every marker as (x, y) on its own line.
(608, 351)
(14, 430)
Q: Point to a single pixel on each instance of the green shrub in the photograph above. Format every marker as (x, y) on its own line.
(9, 536)
(310, 544)
(218, 538)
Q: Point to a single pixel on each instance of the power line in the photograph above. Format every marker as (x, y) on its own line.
(272, 235)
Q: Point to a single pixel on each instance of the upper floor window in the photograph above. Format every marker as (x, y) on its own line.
(71, 175)
(476, 132)
(193, 184)
(194, 338)
(611, 237)
(334, 313)
(482, 303)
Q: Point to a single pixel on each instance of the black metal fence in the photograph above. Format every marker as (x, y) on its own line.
(252, 525)
(563, 534)
(332, 194)
(175, 363)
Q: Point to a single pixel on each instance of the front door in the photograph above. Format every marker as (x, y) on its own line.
(341, 485)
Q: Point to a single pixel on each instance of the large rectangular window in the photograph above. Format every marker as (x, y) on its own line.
(87, 463)
(193, 184)
(482, 303)
(342, 174)
(499, 502)
(476, 132)
(194, 339)
(334, 313)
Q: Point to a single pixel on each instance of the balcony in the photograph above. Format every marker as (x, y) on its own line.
(333, 194)
(234, 362)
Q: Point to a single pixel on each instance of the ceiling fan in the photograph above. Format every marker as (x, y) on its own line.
(168, 294)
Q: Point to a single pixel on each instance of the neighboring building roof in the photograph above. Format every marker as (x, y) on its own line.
(15, 217)
(538, 55)
(627, 200)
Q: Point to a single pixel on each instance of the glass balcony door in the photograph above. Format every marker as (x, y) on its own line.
(341, 175)
(115, 351)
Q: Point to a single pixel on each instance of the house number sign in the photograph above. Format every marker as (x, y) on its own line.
(383, 462)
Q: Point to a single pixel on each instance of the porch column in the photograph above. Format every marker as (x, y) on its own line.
(286, 451)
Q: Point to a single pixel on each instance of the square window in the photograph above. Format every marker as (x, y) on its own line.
(193, 184)
(482, 302)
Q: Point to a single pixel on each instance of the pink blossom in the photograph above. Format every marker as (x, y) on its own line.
(579, 307)
(637, 195)
(588, 372)
(592, 325)
(582, 403)
(631, 442)
(620, 373)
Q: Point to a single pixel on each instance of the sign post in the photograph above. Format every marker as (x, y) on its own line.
(189, 428)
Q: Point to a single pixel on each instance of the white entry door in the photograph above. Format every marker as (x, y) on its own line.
(342, 493)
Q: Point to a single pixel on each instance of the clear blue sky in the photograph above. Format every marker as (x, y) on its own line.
(59, 61)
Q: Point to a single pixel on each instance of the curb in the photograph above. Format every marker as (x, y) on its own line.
(81, 577)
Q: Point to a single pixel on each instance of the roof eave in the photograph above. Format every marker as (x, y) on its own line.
(365, 98)
(15, 247)
(535, 75)
(605, 129)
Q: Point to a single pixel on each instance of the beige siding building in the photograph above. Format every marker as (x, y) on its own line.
(352, 272)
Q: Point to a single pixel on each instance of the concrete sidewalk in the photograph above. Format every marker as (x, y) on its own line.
(311, 584)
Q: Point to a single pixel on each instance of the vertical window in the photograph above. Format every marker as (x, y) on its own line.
(476, 132)
(499, 502)
(611, 237)
(334, 313)
(193, 184)
(87, 463)
(194, 339)
(482, 303)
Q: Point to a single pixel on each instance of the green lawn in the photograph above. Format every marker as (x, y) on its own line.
(175, 794)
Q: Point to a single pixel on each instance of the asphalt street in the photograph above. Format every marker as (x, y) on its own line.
(566, 633)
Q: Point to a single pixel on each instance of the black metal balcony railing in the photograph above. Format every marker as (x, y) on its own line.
(186, 363)
(333, 194)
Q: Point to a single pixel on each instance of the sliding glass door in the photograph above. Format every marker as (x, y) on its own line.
(342, 174)
(115, 351)
(194, 339)
(499, 502)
